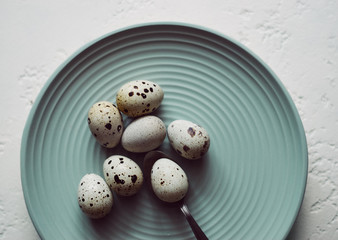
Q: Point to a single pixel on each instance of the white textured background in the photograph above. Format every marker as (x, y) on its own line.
(298, 39)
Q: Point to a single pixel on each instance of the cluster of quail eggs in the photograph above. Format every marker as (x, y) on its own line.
(123, 176)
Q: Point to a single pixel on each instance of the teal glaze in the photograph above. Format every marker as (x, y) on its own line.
(251, 183)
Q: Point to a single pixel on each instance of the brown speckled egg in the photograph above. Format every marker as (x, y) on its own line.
(94, 196)
(143, 134)
(189, 140)
(105, 123)
(138, 98)
(123, 175)
(168, 180)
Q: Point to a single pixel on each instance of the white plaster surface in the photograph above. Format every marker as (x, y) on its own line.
(298, 39)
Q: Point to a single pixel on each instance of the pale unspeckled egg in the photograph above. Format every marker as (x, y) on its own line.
(94, 196)
(168, 180)
(144, 134)
(123, 175)
(105, 123)
(189, 140)
(140, 97)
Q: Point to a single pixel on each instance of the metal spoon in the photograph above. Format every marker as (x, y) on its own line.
(149, 160)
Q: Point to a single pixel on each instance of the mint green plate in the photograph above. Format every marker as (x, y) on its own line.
(251, 183)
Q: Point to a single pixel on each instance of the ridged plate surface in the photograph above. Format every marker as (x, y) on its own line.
(251, 183)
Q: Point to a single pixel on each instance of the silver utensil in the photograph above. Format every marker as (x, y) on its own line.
(149, 160)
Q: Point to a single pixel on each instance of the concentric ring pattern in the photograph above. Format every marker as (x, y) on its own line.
(251, 183)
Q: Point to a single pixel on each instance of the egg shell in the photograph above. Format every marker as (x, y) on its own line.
(144, 134)
(189, 140)
(168, 180)
(105, 123)
(123, 175)
(94, 196)
(138, 98)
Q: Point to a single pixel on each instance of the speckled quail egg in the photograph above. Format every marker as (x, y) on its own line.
(123, 175)
(189, 140)
(94, 196)
(168, 180)
(140, 97)
(144, 134)
(105, 123)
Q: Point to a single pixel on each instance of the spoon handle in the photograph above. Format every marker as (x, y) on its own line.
(199, 234)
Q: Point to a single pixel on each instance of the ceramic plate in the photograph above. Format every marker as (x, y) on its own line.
(249, 185)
